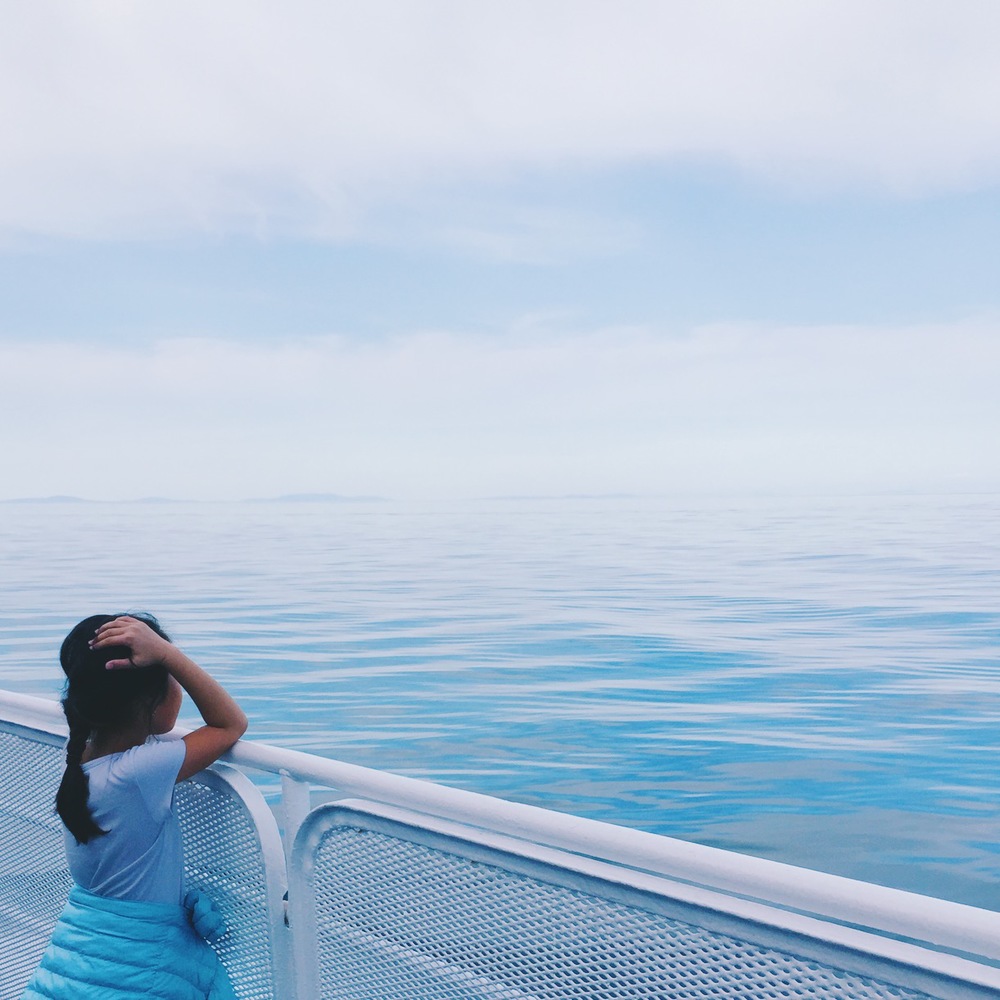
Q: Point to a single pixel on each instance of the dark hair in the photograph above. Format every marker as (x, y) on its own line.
(97, 699)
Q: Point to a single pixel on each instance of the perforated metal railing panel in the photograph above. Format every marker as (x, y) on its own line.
(387, 903)
(224, 858)
(34, 881)
(399, 920)
(222, 825)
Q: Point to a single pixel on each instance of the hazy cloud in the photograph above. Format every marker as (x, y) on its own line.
(725, 409)
(143, 119)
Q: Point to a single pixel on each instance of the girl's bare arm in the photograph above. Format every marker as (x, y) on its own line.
(225, 722)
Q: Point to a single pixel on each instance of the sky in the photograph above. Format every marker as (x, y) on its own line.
(435, 249)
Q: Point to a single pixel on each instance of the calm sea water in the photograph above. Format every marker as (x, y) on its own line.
(816, 681)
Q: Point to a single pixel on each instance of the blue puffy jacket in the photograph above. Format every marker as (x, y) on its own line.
(113, 949)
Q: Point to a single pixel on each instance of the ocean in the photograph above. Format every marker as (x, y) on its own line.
(814, 680)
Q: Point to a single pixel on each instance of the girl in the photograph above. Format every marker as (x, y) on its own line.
(125, 933)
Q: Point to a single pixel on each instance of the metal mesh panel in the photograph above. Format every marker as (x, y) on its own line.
(402, 921)
(222, 855)
(34, 881)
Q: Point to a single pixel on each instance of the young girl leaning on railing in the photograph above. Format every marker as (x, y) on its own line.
(128, 930)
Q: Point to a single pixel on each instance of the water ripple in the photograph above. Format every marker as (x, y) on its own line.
(812, 681)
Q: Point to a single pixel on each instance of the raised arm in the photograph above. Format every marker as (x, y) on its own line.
(224, 720)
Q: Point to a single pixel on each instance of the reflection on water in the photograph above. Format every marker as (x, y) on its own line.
(814, 681)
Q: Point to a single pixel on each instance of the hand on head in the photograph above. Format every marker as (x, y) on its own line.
(145, 646)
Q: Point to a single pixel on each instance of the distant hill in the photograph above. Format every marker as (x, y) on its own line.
(566, 496)
(318, 498)
(56, 499)
(287, 498)
(71, 500)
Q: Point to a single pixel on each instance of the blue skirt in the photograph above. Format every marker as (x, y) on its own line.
(114, 949)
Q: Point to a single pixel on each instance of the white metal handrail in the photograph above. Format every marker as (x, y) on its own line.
(932, 922)
(724, 919)
(894, 911)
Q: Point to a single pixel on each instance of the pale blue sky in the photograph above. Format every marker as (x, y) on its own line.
(436, 249)
(629, 245)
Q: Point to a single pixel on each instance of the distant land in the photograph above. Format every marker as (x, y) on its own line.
(58, 499)
(567, 496)
(317, 498)
(287, 498)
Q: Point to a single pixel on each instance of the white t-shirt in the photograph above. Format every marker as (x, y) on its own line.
(131, 796)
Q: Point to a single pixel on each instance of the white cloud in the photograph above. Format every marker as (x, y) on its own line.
(716, 409)
(143, 118)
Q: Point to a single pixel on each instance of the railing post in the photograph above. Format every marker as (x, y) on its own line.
(295, 806)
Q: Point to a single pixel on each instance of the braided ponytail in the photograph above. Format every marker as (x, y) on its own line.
(71, 799)
(98, 700)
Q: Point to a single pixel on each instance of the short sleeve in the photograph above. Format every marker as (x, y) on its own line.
(155, 766)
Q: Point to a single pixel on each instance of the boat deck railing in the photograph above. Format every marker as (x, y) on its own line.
(356, 884)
